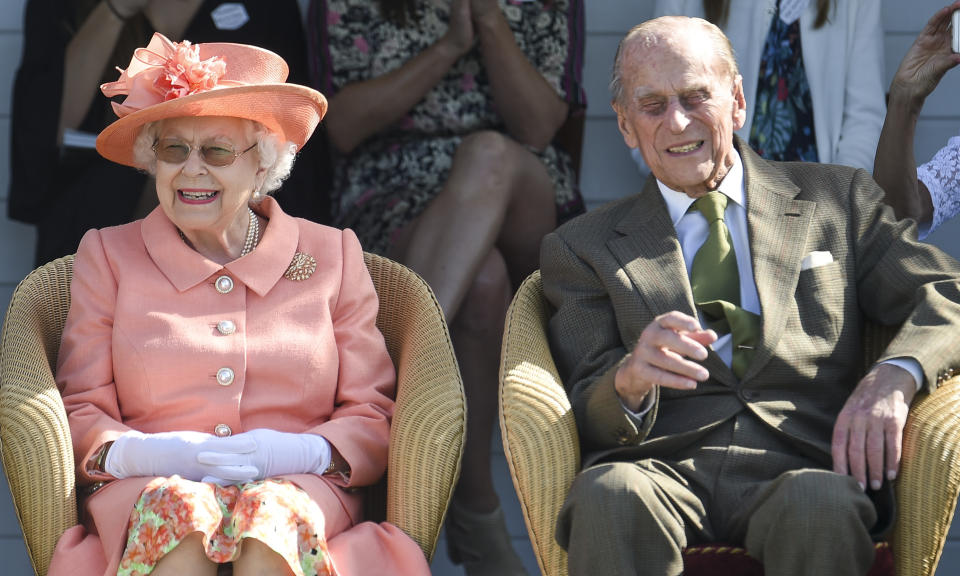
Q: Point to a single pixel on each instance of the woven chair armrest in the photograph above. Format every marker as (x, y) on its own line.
(428, 429)
(929, 480)
(34, 433)
(537, 425)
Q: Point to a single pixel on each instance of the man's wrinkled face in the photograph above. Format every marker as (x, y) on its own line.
(680, 107)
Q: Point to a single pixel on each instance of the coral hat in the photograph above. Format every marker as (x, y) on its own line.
(171, 80)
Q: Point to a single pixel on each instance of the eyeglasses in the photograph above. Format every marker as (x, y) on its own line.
(176, 151)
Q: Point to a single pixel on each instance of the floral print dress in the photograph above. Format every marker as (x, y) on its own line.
(389, 179)
(170, 509)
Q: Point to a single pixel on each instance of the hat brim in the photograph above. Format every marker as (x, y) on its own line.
(289, 110)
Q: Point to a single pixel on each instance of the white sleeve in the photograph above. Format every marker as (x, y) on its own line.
(941, 175)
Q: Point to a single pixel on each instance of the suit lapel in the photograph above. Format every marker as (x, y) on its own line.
(777, 225)
(646, 230)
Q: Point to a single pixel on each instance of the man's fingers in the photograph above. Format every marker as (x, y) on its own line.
(838, 446)
(856, 459)
(894, 450)
(677, 321)
(654, 362)
(875, 454)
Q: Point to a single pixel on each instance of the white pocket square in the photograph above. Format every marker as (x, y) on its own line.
(815, 259)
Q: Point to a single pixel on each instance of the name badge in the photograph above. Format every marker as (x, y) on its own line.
(230, 16)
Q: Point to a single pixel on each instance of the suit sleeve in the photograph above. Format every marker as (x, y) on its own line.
(903, 281)
(359, 426)
(85, 364)
(587, 348)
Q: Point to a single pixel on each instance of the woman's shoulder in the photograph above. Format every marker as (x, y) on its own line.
(338, 239)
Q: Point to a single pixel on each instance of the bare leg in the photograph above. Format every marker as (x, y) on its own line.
(187, 559)
(258, 559)
(476, 333)
(497, 193)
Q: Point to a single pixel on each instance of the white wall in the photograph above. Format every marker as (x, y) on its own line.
(608, 171)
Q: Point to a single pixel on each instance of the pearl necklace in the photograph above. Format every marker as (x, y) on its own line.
(253, 234)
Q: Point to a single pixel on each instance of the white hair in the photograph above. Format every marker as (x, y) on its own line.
(276, 156)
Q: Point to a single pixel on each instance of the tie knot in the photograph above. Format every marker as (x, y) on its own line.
(712, 205)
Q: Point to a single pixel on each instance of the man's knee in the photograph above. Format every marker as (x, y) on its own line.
(821, 500)
(617, 520)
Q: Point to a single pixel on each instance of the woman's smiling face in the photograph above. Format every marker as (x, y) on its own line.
(198, 196)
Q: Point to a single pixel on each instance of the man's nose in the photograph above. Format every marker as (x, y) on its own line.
(677, 119)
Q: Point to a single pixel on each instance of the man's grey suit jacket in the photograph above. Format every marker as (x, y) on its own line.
(610, 272)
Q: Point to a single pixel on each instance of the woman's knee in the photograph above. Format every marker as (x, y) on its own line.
(258, 558)
(488, 158)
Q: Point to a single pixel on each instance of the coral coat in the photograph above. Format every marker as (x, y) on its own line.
(141, 350)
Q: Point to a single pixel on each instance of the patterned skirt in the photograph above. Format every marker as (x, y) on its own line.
(275, 512)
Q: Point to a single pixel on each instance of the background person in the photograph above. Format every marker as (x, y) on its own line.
(224, 380)
(443, 113)
(930, 193)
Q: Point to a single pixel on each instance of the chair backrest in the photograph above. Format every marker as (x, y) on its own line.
(539, 433)
(426, 437)
(429, 422)
(34, 434)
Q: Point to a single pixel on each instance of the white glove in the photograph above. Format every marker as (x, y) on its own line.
(276, 454)
(165, 454)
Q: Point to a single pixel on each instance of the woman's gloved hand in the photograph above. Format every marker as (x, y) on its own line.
(168, 453)
(276, 454)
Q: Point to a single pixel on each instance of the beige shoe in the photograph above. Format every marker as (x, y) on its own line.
(481, 543)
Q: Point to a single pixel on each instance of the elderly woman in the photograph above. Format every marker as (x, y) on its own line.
(224, 379)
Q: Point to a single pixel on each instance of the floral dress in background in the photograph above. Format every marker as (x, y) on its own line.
(390, 178)
(782, 126)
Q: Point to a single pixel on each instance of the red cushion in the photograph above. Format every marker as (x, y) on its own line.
(720, 560)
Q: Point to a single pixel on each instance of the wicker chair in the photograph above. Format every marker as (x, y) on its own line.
(426, 439)
(541, 446)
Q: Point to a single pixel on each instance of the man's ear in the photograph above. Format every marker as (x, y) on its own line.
(628, 135)
(739, 104)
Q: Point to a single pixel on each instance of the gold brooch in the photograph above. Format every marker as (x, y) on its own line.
(302, 267)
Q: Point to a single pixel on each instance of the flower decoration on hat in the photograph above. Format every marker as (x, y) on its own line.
(163, 71)
(185, 73)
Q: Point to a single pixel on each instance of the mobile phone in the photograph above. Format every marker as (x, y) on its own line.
(956, 31)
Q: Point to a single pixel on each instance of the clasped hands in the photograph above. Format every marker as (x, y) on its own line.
(202, 457)
(868, 433)
(465, 16)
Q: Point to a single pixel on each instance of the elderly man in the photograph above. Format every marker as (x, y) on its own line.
(709, 333)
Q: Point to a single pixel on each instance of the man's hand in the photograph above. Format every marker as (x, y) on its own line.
(868, 435)
(660, 358)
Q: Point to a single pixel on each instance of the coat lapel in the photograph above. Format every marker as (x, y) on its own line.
(649, 252)
(777, 225)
